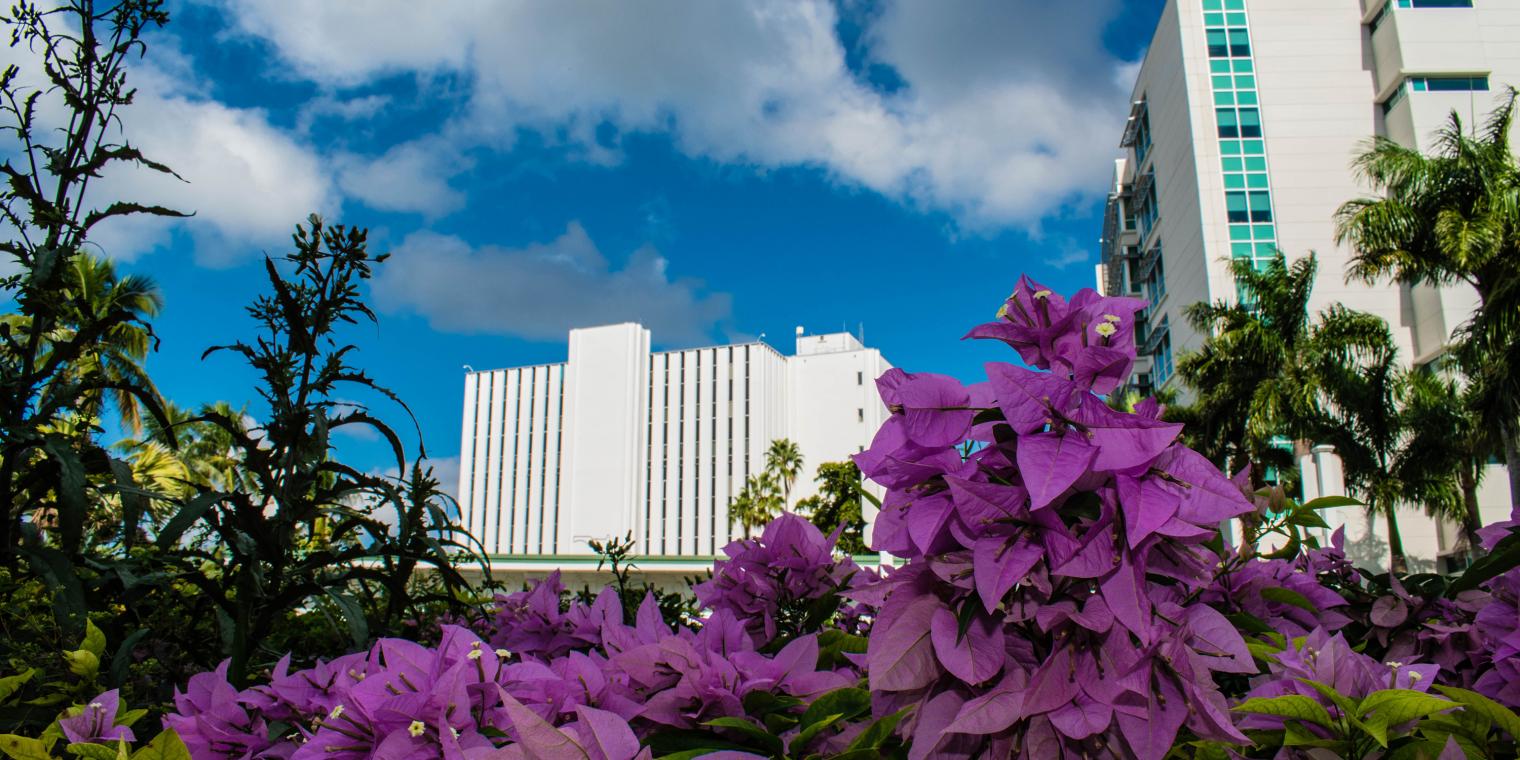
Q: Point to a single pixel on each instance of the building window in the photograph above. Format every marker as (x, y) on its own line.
(860, 415)
(1155, 285)
(1261, 206)
(1143, 136)
(1449, 84)
(1228, 121)
(1162, 369)
(1236, 208)
(1219, 44)
(1435, 3)
(1148, 212)
(860, 378)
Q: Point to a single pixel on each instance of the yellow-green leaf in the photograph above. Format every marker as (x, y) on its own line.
(82, 662)
(94, 641)
(1393, 707)
(23, 748)
(10, 684)
(1295, 706)
(1503, 717)
(165, 746)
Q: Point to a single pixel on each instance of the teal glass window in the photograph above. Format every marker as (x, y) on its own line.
(1224, 98)
(1250, 122)
(1219, 44)
(1228, 121)
(1232, 164)
(1240, 43)
(1261, 206)
(1435, 3)
(1234, 181)
(1235, 19)
(1246, 98)
(1256, 181)
(1244, 66)
(1256, 164)
(1254, 147)
(1236, 207)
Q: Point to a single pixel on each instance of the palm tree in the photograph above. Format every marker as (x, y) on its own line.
(1359, 415)
(1450, 447)
(94, 293)
(783, 461)
(1254, 379)
(756, 503)
(1447, 218)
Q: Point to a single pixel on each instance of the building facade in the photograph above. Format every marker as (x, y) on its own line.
(619, 439)
(1245, 118)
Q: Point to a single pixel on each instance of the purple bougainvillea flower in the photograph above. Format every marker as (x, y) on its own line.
(96, 722)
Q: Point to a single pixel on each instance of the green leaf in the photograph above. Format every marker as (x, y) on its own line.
(1346, 704)
(801, 740)
(23, 748)
(765, 738)
(1504, 557)
(1503, 717)
(82, 663)
(1296, 735)
(165, 746)
(187, 516)
(1328, 502)
(98, 751)
(1393, 707)
(1288, 596)
(1307, 518)
(10, 684)
(879, 732)
(847, 702)
(94, 641)
(358, 625)
(1295, 706)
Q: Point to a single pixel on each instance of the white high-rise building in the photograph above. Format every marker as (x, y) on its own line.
(1246, 116)
(621, 440)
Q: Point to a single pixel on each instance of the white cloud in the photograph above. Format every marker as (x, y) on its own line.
(542, 290)
(412, 176)
(1008, 112)
(247, 181)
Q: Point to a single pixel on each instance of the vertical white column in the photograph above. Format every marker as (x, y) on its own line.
(467, 455)
(605, 397)
(654, 522)
(533, 506)
(519, 469)
(494, 452)
(553, 410)
(724, 443)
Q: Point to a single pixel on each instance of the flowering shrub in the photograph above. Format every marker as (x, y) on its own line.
(1066, 592)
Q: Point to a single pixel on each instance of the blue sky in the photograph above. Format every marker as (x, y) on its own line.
(714, 170)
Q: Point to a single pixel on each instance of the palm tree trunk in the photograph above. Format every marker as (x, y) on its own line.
(1398, 564)
(1472, 518)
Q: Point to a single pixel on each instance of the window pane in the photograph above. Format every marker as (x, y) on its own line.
(1261, 206)
(1218, 46)
(1229, 124)
(1250, 122)
(1240, 43)
(1235, 206)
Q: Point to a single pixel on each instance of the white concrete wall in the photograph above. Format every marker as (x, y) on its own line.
(618, 439)
(835, 409)
(606, 392)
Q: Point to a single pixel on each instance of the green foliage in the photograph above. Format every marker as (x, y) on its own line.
(299, 526)
(1446, 218)
(839, 503)
(806, 726)
(1392, 723)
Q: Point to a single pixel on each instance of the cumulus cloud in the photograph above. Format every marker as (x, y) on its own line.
(1006, 110)
(411, 177)
(541, 290)
(246, 181)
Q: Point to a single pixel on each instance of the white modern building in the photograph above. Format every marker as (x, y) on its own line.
(1246, 116)
(620, 440)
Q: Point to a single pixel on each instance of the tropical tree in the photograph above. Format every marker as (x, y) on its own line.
(1453, 217)
(783, 461)
(758, 501)
(117, 354)
(1255, 378)
(1448, 448)
(839, 503)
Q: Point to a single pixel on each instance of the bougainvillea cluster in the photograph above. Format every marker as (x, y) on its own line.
(1061, 587)
(1059, 547)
